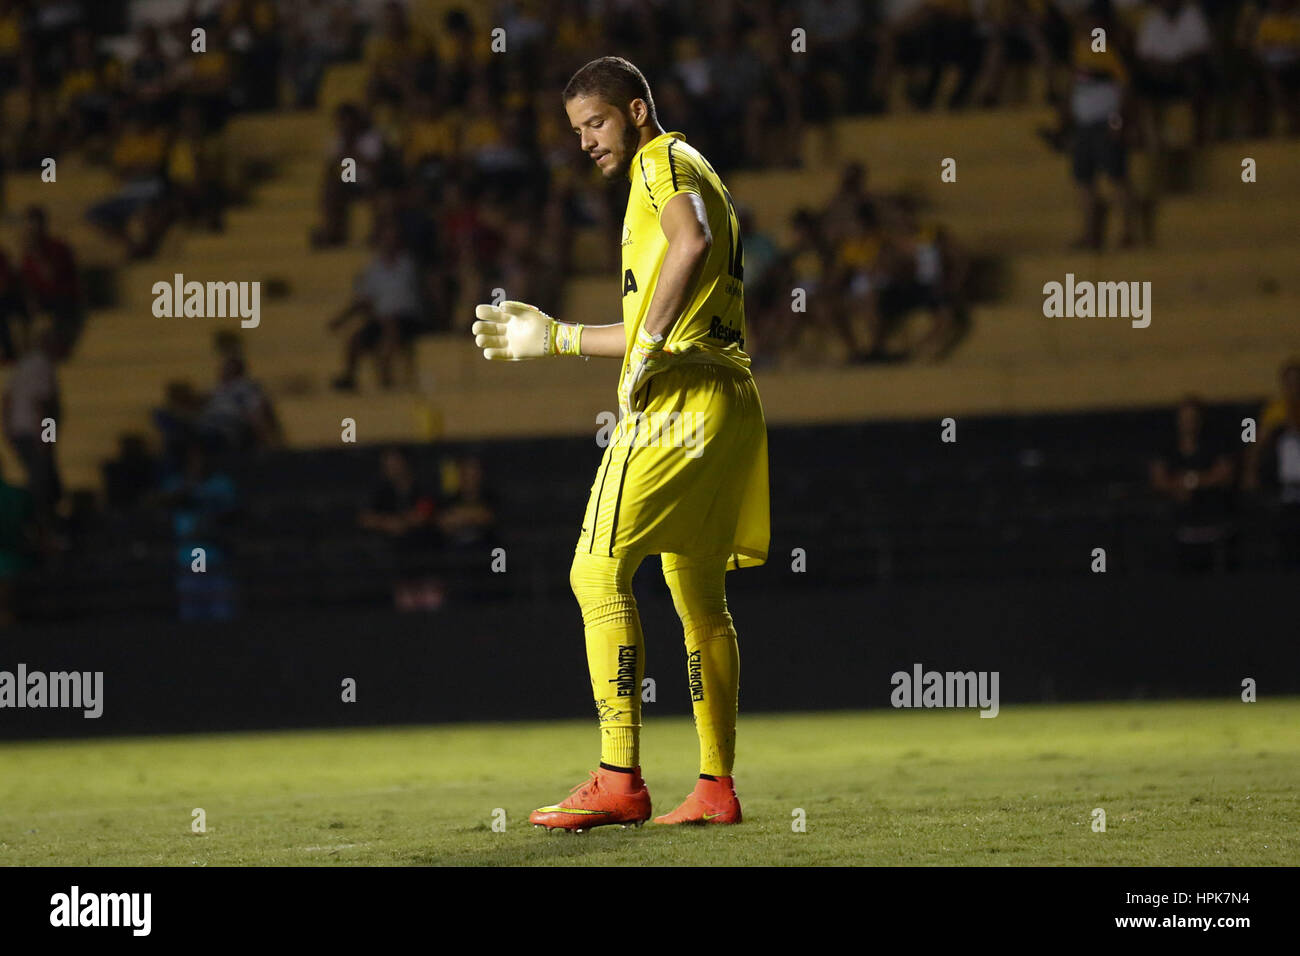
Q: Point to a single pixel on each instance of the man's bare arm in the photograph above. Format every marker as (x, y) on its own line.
(604, 341)
(686, 226)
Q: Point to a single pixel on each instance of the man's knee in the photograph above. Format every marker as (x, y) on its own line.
(601, 584)
(698, 589)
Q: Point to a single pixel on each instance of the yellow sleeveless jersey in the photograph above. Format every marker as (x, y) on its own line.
(711, 330)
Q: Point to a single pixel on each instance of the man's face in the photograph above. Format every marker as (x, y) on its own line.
(605, 132)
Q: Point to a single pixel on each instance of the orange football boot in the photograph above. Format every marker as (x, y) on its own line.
(608, 797)
(712, 801)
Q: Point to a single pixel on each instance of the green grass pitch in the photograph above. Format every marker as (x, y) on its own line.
(1181, 783)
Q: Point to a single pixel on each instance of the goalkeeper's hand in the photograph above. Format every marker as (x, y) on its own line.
(648, 357)
(515, 331)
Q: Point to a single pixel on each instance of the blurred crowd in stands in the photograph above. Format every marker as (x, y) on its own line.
(451, 519)
(1205, 474)
(208, 440)
(141, 105)
(860, 264)
(43, 285)
(468, 155)
(1171, 76)
(464, 159)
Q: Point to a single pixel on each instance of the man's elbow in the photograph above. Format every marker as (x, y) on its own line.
(697, 246)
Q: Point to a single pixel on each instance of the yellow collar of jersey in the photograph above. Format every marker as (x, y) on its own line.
(658, 139)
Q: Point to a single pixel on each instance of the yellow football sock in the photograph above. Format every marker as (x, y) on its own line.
(712, 655)
(615, 651)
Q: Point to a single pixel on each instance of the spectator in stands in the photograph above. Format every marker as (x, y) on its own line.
(467, 518)
(1272, 416)
(387, 299)
(399, 506)
(50, 278)
(469, 242)
(238, 416)
(1273, 461)
(735, 77)
(131, 476)
(459, 57)
(931, 272)
(431, 139)
(148, 78)
(492, 141)
(17, 541)
(87, 90)
(774, 131)
(317, 33)
(407, 514)
(806, 266)
(30, 132)
(1270, 31)
(136, 214)
(31, 398)
(1097, 100)
(468, 521)
(11, 40)
(253, 26)
(862, 268)
(207, 81)
(177, 423)
(841, 55)
(930, 36)
(1173, 65)
(204, 505)
(1197, 476)
(359, 141)
(13, 309)
(842, 208)
(392, 56)
(554, 261)
(1013, 32)
(196, 173)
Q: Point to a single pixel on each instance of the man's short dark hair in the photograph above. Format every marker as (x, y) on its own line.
(615, 80)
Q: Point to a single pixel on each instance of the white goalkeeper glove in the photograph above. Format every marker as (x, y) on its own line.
(516, 331)
(647, 357)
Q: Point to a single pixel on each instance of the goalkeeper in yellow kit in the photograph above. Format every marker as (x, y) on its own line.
(685, 473)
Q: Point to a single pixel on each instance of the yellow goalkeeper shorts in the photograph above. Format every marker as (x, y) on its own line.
(687, 474)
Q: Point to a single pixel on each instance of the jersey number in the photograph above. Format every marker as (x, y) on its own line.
(735, 245)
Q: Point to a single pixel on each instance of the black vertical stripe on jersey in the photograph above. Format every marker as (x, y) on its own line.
(736, 265)
(647, 184)
(595, 518)
(735, 244)
(672, 167)
(618, 501)
(731, 236)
